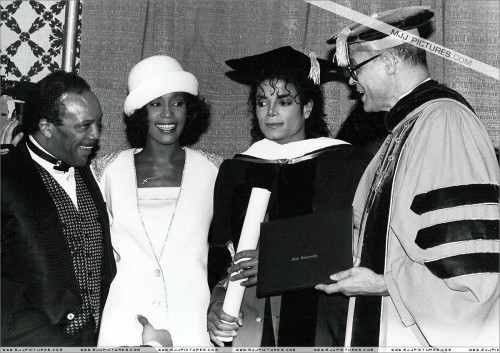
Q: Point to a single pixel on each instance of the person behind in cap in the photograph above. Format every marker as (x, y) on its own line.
(57, 260)
(159, 195)
(306, 172)
(427, 208)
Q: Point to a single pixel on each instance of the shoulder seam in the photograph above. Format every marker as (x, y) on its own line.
(99, 164)
(212, 157)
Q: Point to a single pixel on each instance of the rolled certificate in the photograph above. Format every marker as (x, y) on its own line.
(256, 211)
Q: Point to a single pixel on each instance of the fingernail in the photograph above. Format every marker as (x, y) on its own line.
(142, 320)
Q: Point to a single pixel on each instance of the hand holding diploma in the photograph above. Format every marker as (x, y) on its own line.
(245, 266)
(221, 326)
(256, 211)
(246, 259)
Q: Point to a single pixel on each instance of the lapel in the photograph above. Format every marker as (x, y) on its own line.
(108, 268)
(47, 229)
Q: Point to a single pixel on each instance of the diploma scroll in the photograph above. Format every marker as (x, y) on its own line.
(256, 211)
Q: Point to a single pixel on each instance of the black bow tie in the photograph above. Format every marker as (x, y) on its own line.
(58, 164)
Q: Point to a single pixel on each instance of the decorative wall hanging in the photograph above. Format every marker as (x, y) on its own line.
(32, 39)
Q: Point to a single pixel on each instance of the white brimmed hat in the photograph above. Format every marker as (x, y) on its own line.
(155, 76)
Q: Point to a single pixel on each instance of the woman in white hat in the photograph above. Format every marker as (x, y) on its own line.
(159, 197)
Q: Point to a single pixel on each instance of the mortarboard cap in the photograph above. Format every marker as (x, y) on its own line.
(361, 37)
(284, 59)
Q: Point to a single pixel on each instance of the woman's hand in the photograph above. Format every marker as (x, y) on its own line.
(246, 261)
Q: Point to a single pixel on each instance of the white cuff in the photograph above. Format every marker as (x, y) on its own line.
(153, 344)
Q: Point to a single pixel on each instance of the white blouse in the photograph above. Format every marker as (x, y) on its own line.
(169, 289)
(157, 206)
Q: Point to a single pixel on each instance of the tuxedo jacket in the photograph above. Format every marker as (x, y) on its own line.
(39, 292)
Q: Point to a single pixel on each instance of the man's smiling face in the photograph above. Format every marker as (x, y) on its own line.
(72, 142)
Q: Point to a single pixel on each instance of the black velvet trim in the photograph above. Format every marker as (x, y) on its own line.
(457, 231)
(423, 93)
(366, 321)
(465, 264)
(454, 196)
(58, 164)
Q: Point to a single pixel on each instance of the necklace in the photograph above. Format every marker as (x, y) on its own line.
(145, 180)
(159, 271)
(158, 257)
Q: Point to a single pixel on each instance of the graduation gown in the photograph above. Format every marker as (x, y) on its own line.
(429, 217)
(319, 174)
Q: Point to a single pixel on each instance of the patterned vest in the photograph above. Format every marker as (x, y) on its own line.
(83, 231)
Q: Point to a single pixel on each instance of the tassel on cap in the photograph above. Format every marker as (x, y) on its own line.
(314, 72)
(342, 53)
(279, 60)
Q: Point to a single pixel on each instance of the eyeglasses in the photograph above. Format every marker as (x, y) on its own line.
(352, 70)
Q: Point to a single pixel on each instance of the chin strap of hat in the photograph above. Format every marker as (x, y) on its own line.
(341, 53)
(314, 72)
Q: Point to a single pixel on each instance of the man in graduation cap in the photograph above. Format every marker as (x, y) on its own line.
(308, 174)
(427, 207)
(57, 261)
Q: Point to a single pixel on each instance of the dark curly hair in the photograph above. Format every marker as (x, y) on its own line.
(45, 101)
(361, 128)
(315, 125)
(197, 122)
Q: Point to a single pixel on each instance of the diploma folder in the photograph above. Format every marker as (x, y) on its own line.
(301, 252)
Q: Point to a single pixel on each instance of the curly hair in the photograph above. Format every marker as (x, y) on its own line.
(45, 101)
(315, 125)
(197, 122)
(360, 128)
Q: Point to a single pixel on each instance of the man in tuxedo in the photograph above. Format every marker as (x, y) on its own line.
(57, 260)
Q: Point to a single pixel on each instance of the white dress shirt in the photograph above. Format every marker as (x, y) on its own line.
(65, 179)
(407, 93)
